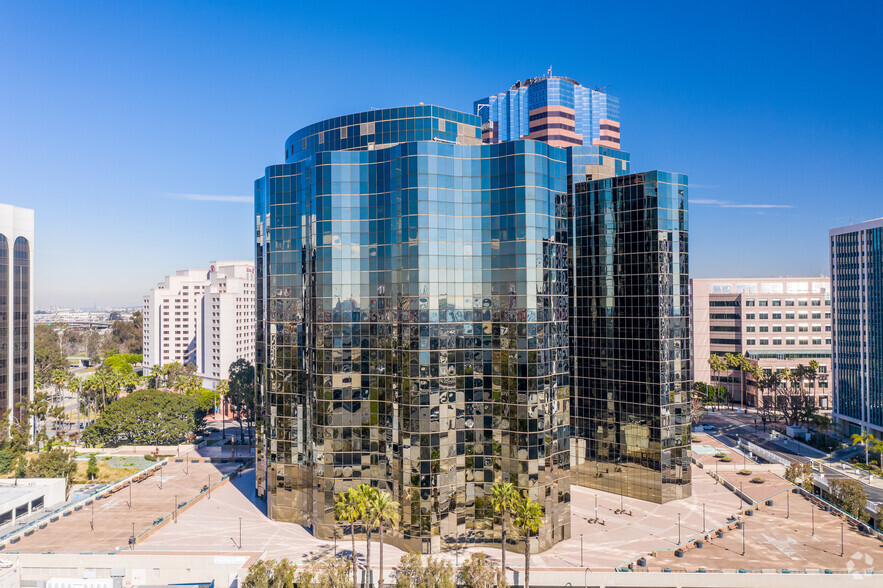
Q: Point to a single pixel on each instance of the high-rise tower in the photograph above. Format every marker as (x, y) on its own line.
(554, 109)
(413, 324)
(16, 307)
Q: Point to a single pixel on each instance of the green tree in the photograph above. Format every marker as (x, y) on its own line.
(849, 495)
(478, 572)
(48, 355)
(125, 336)
(366, 494)
(382, 509)
(717, 365)
(53, 463)
(146, 417)
(528, 518)
(436, 573)
(800, 474)
(7, 461)
(21, 468)
(270, 574)
(325, 572)
(241, 395)
(92, 467)
(41, 410)
(866, 439)
(348, 508)
(504, 497)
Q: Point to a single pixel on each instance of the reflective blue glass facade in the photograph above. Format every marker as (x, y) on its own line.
(528, 105)
(630, 329)
(857, 325)
(413, 318)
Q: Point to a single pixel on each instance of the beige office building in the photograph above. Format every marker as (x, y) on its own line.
(203, 317)
(777, 322)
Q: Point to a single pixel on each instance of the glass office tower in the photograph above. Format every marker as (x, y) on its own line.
(413, 324)
(630, 329)
(857, 326)
(553, 109)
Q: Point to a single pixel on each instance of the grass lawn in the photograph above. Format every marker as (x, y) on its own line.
(106, 472)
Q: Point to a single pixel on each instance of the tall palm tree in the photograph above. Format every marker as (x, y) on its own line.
(877, 447)
(382, 508)
(866, 439)
(348, 507)
(366, 494)
(528, 517)
(504, 498)
(717, 365)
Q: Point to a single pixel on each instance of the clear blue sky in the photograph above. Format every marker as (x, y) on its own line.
(111, 113)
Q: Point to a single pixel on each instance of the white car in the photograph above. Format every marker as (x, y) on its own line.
(708, 427)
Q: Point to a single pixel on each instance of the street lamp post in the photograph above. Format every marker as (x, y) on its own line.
(703, 517)
(580, 550)
(679, 528)
(209, 487)
(743, 537)
(841, 539)
(813, 514)
(788, 504)
(240, 532)
(740, 496)
(175, 511)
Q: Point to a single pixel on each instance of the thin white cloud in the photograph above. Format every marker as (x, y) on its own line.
(208, 197)
(725, 204)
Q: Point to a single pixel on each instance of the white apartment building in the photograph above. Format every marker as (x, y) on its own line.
(202, 317)
(777, 322)
(16, 307)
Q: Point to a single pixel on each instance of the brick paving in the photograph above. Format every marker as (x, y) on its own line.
(775, 541)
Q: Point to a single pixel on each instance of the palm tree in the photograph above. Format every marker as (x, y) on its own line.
(877, 447)
(381, 507)
(504, 498)
(866, 439)
(528, 517)
(366, 494)
(717, 365)
(348, 507)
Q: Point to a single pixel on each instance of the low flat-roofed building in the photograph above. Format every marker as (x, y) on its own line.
(20, 497)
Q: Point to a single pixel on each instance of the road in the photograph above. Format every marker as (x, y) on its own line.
(735, 426)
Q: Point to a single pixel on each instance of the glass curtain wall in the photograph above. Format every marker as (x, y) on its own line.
(415, 329)
(630, 344)
(21, 323)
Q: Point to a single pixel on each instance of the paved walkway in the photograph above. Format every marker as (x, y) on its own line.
(809, 538)
(107, 524)
(215, 525)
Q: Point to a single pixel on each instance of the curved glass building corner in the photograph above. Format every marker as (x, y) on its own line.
(413, 325)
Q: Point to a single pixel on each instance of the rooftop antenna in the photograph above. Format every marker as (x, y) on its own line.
(549, 72)
(599, 88)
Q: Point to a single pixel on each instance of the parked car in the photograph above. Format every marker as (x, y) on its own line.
(707, 427)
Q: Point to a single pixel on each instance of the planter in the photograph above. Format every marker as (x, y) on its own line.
(749, 513)
(744, 472)
(769, 502)
(700, 544)
(720, 534)
(642, 562)
(757, 480)
(679, 553)
(739, 525)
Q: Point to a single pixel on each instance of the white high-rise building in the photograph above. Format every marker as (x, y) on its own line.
(203, 317)
(16, 306)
